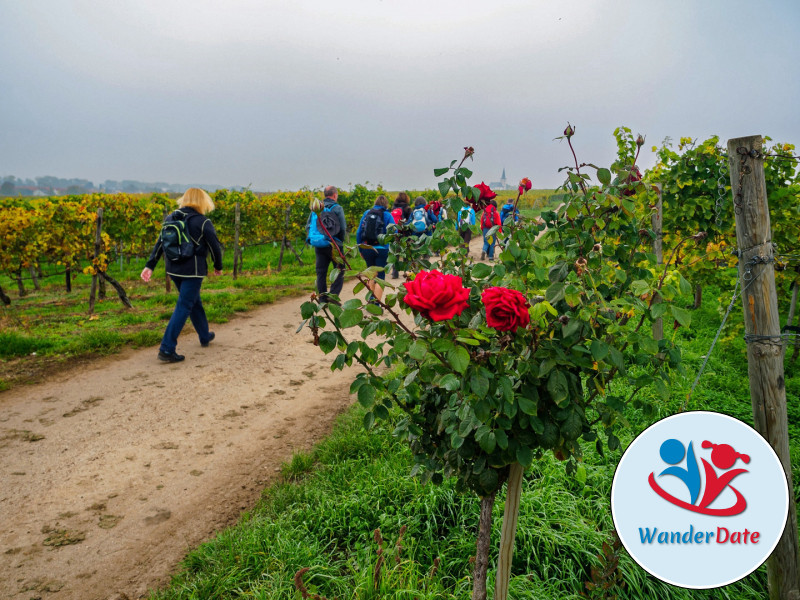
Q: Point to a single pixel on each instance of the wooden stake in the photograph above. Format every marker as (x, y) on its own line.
(764, 356)
(508, 531)
(98, 239)
(657, 219)
(236, 249)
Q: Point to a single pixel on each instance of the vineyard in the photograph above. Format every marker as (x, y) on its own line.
(617, 291)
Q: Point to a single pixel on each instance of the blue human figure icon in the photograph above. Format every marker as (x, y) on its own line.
(672, 453)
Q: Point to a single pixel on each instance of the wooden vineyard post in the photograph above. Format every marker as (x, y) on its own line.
(167, 284)
(97, 243)
(236, 250)
(657, 219)
(764, 347)
(283, 241)
(508, 531)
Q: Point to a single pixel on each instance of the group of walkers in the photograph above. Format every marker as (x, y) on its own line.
(188, 238)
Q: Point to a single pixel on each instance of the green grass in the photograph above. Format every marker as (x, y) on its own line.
(323, 514)
(50, 326)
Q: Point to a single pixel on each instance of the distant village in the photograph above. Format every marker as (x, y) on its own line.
(58, 186)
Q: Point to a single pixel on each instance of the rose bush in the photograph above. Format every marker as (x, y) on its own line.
(507, 361)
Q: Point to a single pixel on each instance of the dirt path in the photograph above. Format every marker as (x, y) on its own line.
(111, 473)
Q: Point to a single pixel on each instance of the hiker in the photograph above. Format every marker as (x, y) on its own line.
(418, 221)
(400, 213)
(435, 214)
(333, 219)
(489, 219)
(187, 272)
(507, 209)
(374, 222)
(466, 220)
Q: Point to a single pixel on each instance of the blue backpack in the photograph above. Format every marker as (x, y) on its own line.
(419, 221)
(316, 235)
(505, 211)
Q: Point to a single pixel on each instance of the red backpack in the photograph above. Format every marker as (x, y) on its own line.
(397, 215)
(487, 220)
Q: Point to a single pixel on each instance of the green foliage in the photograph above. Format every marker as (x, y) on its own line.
(478, 399)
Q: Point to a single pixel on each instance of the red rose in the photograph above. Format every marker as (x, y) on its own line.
(486, 192)
(525, 185)
(437, 296)
(506, 309)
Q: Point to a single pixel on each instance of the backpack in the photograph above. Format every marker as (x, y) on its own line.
(487, 220)
(316, 235)
(463, 217)
(372, 226)
(506, 210)
(176, 242)
(418, 220)
(397, 215)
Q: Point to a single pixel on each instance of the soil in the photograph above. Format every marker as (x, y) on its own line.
(110, 472)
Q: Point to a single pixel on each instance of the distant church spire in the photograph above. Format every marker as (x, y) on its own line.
(503, 178)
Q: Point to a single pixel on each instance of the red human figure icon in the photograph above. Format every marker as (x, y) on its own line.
(724, 457)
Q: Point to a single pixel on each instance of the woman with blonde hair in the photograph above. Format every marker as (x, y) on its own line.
(188, 272)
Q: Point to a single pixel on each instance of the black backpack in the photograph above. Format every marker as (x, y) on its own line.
(330, 221)
(176, 242)
(373, 225)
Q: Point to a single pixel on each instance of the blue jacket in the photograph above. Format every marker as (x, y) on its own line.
(506, 210)
(337, 210)
(388, 221)
(201, 230)
(470, 218)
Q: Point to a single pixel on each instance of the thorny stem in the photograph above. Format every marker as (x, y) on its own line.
(577, 166)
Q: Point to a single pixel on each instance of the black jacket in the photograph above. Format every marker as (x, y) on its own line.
(201, 230)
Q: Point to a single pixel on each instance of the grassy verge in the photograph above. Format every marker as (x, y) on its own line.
(51, 329)
(322, 516)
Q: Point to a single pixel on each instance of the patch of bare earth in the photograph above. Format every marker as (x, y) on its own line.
(112, 470)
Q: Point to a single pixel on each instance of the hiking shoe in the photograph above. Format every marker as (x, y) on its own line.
(210, 339)
(170, 357)
(483, 255)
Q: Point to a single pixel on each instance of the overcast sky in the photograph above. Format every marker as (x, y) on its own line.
(284, 94)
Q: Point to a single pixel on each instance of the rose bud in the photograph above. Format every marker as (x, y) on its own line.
(597, 248)
(640, 141)
(468, 151)
(569, 131)
(563, 319)
(315, 205)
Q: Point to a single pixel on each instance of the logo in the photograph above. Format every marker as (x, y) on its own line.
(723, 457)
(699, 500)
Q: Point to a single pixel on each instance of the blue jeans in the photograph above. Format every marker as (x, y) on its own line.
(188, 306)
(376, 258)
(487, 247)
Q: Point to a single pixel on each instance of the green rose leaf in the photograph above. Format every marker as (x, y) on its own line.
(327, 341)
(479, 385)
(481, 270)
(599, 350)
(682, 316)
(527, 405)
(524, 456)
(418, 350)
(604, 176)
(444, 187)
(307, 310)
(459, 358)
(450, 382)
(557, 387)
(369, 420)
(440, 172)
(350, 318)
(488, 480)
(366, 396)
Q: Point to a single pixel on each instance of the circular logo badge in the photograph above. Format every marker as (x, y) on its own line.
(699, 500)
